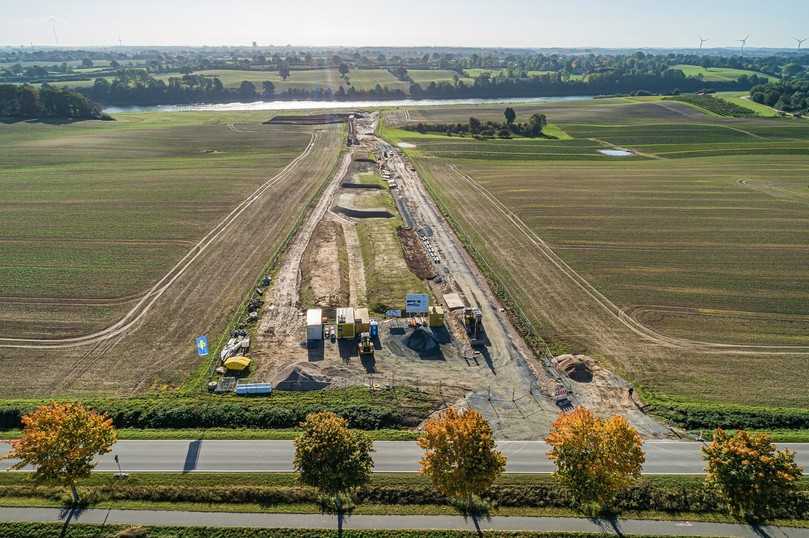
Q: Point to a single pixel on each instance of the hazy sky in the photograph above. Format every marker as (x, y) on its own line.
(503, 23)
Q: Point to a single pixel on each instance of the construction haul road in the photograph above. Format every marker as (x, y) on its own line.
(662, 457)
(517, 403)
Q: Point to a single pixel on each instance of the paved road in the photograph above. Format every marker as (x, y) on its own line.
(317, 521)
(662, 457)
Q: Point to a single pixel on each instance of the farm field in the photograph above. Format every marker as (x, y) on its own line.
(425, 76)
(743, 100)
(700, 239)
(361, 79)
(95, 213)
(718, 74)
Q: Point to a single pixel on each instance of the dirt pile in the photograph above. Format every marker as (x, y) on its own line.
(423, 342)
(577, 367)
(301, 376)
(415, 256)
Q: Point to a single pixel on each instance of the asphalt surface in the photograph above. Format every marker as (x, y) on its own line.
(317, 521)
(662, 457)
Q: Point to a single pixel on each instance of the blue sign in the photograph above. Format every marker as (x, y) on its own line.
(202, 346)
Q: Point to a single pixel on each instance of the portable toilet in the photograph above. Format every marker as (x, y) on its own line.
(436, 316)
(346, 328)
(373, 328)
(362, 319)
(314, 324)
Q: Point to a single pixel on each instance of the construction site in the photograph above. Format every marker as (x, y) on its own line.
(376, 290)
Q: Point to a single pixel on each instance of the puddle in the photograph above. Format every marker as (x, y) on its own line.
(617, 152)
(406, 145)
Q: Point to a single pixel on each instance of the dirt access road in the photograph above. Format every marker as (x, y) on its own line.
(156, 348)
(517, 401)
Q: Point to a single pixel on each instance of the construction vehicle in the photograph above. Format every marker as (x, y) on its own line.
(366, 346)
(473, 323)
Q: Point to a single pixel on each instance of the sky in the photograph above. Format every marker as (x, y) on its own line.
(480, 23)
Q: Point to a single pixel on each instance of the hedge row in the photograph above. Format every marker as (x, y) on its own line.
(696, 416)
(49, 530)
(644, 496)
(212, 413)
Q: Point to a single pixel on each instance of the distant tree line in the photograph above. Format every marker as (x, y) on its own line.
(790, 95)
(24, 101)
(532, 129)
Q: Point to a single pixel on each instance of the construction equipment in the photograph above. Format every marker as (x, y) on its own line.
(473, 323)
(436, 317)
(366, 346)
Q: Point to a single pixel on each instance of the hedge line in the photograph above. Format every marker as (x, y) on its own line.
(49, 530)
(643, 496)
(696, 416)
(211, 413)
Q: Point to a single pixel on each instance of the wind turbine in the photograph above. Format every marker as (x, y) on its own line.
(702, 41)
(744, 42)
(800, 42)
(52, 20)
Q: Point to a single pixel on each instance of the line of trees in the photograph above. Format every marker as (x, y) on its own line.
(46, 102)
(596, 459)
(532, 129)
(139, 87)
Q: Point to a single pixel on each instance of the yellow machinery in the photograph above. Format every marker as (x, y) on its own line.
(366, 346)
(436, 316)
(237, 364)
(346, 324)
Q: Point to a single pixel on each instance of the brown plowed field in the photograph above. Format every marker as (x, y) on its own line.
(157, 350)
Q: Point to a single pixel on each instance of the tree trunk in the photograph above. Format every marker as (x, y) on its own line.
(477, 525)
(75, 493)
(339, 505)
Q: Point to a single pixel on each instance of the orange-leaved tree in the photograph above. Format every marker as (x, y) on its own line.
(752, 477)
(461, 459)
(61, 440)
(333, 459)
(596, 459)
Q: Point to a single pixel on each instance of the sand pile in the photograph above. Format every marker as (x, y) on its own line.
(301, 376)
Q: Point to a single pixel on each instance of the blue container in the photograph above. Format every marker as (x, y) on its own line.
(254, 389)
(374, 329)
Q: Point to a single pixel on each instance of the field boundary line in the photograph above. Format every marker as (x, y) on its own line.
(617, 312)
(149, 298)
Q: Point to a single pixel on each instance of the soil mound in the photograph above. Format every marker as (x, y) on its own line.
(576, 367)
(301, 376)
(422, 342)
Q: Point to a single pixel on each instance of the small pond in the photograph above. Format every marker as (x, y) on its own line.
(616, 152)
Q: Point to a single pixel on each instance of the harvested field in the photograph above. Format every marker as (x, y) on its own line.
(181, 173)
(696, 254)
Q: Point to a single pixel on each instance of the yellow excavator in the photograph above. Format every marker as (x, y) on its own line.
(366, 346)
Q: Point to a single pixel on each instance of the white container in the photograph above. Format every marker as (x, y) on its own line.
(314, 324)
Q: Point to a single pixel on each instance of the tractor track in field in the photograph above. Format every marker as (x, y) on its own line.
(148, 299)
(616, 312)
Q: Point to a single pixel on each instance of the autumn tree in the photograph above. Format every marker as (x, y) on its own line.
(749, 473)
(461, 459)
(61, 440)
(596, 459)
(333, 459)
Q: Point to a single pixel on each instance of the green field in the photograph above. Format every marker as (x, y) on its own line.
(95, 212)
(701, 236)
(718, 74)
(425, 76)
(742, 99)
(361, 79)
